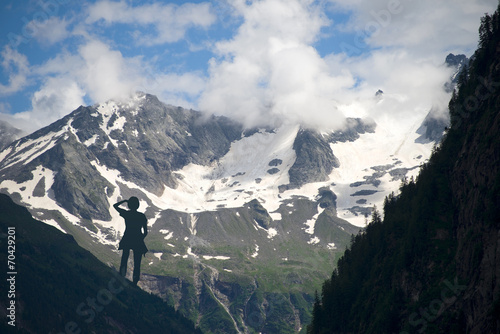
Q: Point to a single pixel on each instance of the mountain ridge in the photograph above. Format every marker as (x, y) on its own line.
(244, 223)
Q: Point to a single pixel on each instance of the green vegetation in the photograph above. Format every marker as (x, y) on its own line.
(264, 283)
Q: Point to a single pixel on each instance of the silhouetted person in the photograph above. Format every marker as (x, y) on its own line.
(133, 237)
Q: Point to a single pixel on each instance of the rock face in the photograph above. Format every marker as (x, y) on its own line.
(354, 127)
(475, 184)
(245, 271)
(432, 127)
(458, 63)
(314, 161)
(436, 121)
(8, 134)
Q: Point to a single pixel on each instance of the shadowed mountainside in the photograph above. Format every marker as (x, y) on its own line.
(432, 264)
(60, 287)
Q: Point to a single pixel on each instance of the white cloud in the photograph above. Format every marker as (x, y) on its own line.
(170, 21)
(56, 98)
(269, 71)
(16, 66)
(411, 87)
(103, 73)
(412, 39)
(97, 73)
(175, 89)
(424, 27)
(106, 73)
(50, 31)
(4, 108)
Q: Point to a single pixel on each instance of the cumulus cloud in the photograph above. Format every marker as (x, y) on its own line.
(170, 21)
(424, 27)
(408, 42)
(16, 66)
(172, 88)
(55, 99)
(50, 31)
(269, 72)
(96, 73)
(411, 84)
(102, 72)
(106, 73)
(266, 71)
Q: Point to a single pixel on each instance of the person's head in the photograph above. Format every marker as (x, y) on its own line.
(133, 203)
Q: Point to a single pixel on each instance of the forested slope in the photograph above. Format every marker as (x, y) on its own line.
(432, 264)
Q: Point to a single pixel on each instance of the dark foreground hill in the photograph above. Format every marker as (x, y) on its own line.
(432, 264)
(55, 286)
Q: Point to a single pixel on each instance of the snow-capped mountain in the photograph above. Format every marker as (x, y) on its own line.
(245, 224)
(221, 200)
(179, 160)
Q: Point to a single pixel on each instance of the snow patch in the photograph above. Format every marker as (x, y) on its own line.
(169, 235)
(190, 253)
(53, 223)
(233, 176)
(26, 189)
(31, 149)
(90, 141)
(314, 241)
(389, 145)
(312, 222)
(154, 219)
(276, 216)
(107, 110)
(192, 221)
(256, 253)
(208, 257)
(271, 233)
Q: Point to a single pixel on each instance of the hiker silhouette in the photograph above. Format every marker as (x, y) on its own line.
(133, 237)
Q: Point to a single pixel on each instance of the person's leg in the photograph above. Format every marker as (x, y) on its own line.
(123, 264)
(137, 266)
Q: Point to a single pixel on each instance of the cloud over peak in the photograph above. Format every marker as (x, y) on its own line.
(269, 71)
(262, 62)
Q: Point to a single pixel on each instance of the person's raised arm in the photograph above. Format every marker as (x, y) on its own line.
(117, 205)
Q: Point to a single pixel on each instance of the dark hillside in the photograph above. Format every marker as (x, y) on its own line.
(432, 264)
(58, 287)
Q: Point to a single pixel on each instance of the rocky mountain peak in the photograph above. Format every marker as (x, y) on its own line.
(455, 60)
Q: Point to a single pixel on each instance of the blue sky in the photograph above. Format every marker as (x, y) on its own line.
(307, 61)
